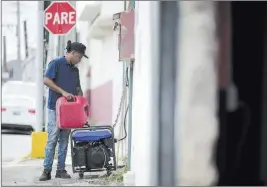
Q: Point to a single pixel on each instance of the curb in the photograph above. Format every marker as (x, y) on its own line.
(21, 158)
(18, 160)
(14, 162)
(128, 179)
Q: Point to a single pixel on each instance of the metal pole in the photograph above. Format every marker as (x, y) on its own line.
(58, 45)
(4, 55)
(26, 39)
(18, 36)
(168, 22)
(130, 96)
(63, 43)
(39, 67)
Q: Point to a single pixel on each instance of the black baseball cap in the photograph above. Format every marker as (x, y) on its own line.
(78, 47)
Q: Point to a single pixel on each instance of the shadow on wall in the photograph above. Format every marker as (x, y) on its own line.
(238, 153)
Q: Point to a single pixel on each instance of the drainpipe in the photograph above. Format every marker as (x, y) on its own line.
(165, 103)
(124, 107)
(130, 96)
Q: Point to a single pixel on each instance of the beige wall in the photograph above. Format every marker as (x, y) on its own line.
(197, 103)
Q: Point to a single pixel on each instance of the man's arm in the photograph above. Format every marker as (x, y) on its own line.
(50, 75)
(50, 83)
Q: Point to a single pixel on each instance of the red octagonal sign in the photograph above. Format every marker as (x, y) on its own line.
(59, 18)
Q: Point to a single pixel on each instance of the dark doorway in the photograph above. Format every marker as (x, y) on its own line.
(239, 155)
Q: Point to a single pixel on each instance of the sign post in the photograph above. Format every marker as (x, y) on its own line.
(39, 68)
(60, 18)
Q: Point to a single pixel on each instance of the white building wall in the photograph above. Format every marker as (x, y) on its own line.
(105, 67)
(104, 64)
(82, 29)
(112, 7)
(141, 116)
(84, 64)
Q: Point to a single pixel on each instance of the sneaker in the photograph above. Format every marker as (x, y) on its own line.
(46, 175)
(62, 174)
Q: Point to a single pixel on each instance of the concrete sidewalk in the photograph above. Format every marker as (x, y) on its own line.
(27, 172)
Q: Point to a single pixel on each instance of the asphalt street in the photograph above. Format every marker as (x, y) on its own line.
(27, 172)
(17, 171)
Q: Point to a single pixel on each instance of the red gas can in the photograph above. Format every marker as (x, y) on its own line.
(72, 114)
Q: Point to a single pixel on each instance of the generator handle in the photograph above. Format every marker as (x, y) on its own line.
(93, 128)
(88, 127)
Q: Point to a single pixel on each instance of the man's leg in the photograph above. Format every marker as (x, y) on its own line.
(53, 134)
(63, 141)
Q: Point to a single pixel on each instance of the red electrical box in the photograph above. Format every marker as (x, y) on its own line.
(126, 35)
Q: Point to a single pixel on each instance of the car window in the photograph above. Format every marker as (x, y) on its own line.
(22, 90)
(22, 102)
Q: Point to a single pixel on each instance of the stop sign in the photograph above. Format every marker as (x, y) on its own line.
(59, 18)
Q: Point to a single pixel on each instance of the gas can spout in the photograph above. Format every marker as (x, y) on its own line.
(86, 124)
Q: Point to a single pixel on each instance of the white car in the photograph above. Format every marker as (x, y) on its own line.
(18, 113)
(24, 94)
(19, 88)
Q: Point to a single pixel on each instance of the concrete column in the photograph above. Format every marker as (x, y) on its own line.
(197, 101)
(142, 112)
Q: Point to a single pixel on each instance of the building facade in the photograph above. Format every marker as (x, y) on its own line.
(104, 77)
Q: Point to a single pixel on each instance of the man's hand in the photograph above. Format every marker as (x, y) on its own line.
(67, 95)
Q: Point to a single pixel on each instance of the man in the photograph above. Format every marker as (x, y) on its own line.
(62, 78)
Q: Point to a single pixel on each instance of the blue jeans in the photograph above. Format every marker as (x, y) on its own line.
(55, 135)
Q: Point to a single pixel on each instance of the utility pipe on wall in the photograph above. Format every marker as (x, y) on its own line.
(130, 96)
(26, 39)
(19, 40)
(166, 104)
(4, 55)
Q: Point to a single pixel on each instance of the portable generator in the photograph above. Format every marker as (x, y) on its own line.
(93, 149)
